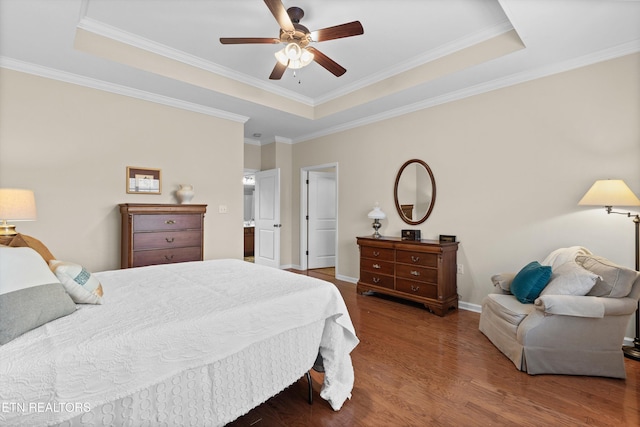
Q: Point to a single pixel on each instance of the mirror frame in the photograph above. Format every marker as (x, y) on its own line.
(395, 192)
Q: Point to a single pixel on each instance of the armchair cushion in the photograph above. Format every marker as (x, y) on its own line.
(507, 308)
(614, 282)
(530, 281)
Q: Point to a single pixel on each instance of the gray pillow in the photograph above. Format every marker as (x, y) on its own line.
(615, 281)
(26, 309)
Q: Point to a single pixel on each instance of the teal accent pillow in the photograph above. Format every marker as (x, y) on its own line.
(530, 281)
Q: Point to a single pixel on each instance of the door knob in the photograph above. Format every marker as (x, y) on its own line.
(277, 225)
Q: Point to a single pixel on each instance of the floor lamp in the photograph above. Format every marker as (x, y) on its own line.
(609, 193)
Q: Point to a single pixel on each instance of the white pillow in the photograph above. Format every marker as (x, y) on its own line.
(22, 268)
(563, 255)
(83, 287)
(570, 279)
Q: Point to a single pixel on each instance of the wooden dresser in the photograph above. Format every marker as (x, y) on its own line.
(161, 234)
(419, 270)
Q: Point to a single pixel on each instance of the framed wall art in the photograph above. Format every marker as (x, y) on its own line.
(143, 180)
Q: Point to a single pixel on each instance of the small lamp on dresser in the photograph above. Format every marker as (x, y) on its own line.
(376, 215)
(615, 192)
(16, 204)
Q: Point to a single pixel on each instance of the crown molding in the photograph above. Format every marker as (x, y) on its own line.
(251, 141)
(514, 79)
(50, 73)
(108, 31)
(426, 57)
(283, 140)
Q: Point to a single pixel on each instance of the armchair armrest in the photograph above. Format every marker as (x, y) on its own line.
(585, 306)
(502, 282)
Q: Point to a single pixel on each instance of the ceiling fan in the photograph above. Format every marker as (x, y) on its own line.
(297, 53)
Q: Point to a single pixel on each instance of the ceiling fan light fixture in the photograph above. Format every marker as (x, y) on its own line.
(294, 57)
(282, 57)
(293, 51)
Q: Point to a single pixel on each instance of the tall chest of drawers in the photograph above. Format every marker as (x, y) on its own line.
(161, 234)
(423, 270)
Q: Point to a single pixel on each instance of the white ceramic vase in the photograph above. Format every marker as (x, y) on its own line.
(184, 194)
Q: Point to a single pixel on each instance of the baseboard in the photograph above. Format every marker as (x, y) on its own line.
(353, 280)
(469, 306)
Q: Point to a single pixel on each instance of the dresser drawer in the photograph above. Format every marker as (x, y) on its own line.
(166, 239)
(166, 222)
(376, 279)
(166, 256)
(422, 274)
(377, 266)
(422, 289)
(417, 258)
(376, 253)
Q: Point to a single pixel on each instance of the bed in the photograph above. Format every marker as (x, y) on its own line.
(198, 343)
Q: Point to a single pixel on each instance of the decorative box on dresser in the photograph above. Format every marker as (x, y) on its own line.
(418, 270)
(161, 233)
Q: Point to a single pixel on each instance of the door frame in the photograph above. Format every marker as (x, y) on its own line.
(303, 209)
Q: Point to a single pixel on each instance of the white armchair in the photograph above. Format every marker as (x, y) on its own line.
(563, 333)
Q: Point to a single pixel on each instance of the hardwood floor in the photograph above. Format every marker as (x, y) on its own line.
(413, 368)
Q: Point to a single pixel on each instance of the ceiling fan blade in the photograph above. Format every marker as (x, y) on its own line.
(278, 71)
(328, 63)
(248, 40)
(337, 32)
(280, 13)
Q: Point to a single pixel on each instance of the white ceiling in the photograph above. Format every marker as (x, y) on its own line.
(395, 67)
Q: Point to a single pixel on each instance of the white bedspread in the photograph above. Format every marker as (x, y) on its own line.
(157, 322)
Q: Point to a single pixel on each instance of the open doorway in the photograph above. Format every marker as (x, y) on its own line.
(319, 218)
(249, 186)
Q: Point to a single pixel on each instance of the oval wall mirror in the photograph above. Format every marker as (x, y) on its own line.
(415, 192)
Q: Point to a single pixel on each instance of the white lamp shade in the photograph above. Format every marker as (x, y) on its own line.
(609, 192)
(376, 213)
(17, 205)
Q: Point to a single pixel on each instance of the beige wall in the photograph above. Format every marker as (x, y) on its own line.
(510, 167)
(72, 144)
(252, 157)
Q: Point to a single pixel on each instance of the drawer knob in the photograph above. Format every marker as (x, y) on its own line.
(169, 221)
(376, 280)
(376, 253)
(376, 266)
(415, 273)
(168, 257)
(415, 258)
(169, 239)
(415, 288)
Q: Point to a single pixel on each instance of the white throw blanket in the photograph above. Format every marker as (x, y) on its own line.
(158, 321)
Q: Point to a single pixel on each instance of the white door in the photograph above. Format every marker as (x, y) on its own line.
(267, 218)
(322, 219)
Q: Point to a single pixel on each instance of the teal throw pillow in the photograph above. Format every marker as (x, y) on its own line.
(530, 281)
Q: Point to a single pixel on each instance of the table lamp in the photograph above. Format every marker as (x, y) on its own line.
(376, 215)
(15, 205)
